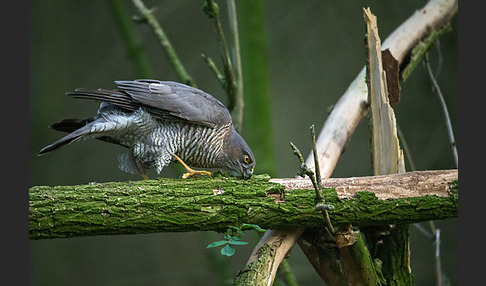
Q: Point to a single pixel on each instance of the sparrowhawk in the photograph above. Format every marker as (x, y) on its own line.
(160, 122)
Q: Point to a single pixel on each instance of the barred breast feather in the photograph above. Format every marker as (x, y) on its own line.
(154, 142)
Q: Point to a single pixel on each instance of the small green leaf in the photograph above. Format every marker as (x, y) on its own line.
(217, 243)
(237, 242)
(228, 250)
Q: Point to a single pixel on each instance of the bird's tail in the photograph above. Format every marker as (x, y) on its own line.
(77, 127)
(70, 125)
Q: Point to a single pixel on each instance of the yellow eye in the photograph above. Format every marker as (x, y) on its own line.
(246, 159)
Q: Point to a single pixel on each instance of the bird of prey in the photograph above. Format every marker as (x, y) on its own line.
(161, 122)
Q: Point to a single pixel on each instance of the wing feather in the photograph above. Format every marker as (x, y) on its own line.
(164, 100)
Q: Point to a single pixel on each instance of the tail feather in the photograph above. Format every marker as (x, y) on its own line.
(70, 125)
(78, 129)
(71, 137)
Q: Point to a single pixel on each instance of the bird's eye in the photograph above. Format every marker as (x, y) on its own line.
(246, 159)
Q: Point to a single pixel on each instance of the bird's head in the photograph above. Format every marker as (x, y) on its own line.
(239, 159)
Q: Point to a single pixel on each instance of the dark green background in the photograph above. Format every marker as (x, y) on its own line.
(314, 48)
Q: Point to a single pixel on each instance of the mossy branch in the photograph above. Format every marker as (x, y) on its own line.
(174, 205)
(419, 51)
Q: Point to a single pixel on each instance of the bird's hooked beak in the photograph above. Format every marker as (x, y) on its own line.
(248, 173)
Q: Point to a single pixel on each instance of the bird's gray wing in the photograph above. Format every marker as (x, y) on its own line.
(164, 100)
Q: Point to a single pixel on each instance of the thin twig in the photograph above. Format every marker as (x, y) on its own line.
(316, 162)
(320, 202)
(213, 68)
(444, 110)
(303, 170)
(438, 268)
(147, 14)
(435, 236)
(211, 9)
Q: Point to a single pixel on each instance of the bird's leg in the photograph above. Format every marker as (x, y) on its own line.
(144, 176)
(140, 170)
(190, 171)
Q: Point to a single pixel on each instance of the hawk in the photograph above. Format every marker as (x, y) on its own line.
(161, 122)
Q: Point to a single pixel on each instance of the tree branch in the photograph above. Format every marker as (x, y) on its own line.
(353, 105)
(174, 205)
(260, 270)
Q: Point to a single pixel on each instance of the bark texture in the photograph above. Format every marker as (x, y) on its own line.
(172, 205)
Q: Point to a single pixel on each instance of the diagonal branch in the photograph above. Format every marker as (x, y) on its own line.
(352, 106)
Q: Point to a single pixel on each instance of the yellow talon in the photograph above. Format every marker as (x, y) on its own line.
(191, 172)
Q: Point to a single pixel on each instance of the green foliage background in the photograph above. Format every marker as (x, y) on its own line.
(313, 49)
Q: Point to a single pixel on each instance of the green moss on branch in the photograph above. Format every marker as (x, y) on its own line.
(173, 205)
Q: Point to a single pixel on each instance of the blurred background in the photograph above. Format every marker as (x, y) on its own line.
(312, 51)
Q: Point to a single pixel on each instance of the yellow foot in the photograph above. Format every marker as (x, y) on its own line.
(191, 172)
